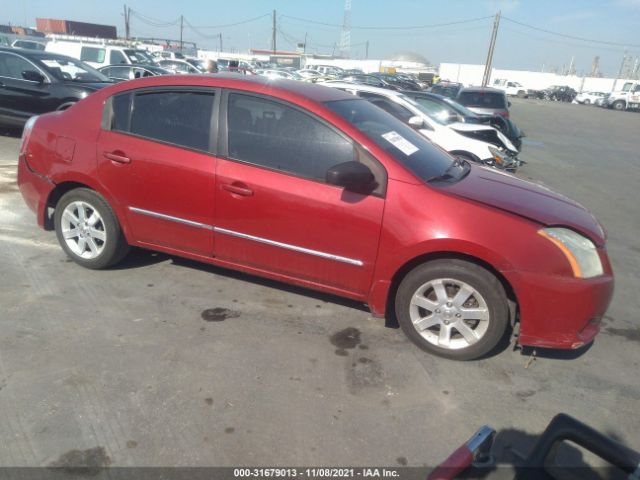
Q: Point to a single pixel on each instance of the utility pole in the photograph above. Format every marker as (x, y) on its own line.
(273, 34)
(127, 30)
(304, 45)
(624, 60)
(366, 50)
(487, 67)
(220, 36)
(181, 28)
(571, 69)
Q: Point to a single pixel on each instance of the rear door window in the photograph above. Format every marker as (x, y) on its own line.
(179, 117)
(182, 118)
(92, 54)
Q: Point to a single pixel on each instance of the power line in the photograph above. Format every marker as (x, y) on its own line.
(559, 42)
(572, 37)
(396, 27)
(154, 22)
(198, 32)
(241, 22)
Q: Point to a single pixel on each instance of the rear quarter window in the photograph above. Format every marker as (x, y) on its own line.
(482, 99)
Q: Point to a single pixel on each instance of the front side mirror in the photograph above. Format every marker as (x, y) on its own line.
(353, 176)
(416, 121)
(33, 76)
(508, 104)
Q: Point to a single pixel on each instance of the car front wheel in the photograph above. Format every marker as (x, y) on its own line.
(452, 308)
(88, 230)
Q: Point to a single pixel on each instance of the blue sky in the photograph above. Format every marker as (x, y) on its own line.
(518, 47)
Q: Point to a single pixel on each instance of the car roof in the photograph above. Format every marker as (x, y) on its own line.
(252, 83)
(35, 54)
(132, 65)
(365, 88)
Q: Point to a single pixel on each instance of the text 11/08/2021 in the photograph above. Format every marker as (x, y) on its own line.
(317, 472)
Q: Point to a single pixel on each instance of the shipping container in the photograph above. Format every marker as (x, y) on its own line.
(81, 29)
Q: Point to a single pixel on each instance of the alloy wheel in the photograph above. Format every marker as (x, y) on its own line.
(83, 230)
(449, 313)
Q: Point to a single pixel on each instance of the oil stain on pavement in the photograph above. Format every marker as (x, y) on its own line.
(82, 462)
(218, 314)
(346, 339)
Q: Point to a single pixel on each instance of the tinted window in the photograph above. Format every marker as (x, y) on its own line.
(280, 137)
(92, 54)
(120, 112)
(12, 66)
(181, 118)
(482, 99)
(116, 56)
(407, 146)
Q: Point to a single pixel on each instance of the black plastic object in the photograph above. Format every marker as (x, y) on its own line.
(563, 428)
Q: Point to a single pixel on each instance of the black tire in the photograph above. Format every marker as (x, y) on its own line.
(587, 102)
(482, 281)
(522, 94)
(619, 105)
(114, 247)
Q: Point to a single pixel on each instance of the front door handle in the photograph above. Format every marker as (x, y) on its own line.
(238, 188)
(117, 156)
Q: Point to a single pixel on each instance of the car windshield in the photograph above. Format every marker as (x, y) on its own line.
(407, 146)
(64, 68)
(196, 64)
(480, 99)
(437, 109)
(139, 57)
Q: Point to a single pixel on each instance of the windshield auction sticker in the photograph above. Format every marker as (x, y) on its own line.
(401, 143)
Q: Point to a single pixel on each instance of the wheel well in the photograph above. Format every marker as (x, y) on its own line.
(411, 264)
(54, 197)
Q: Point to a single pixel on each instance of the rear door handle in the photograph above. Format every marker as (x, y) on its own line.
(238, 188)
(117, 157)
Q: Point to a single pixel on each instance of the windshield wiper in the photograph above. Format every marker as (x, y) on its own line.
(448, 173)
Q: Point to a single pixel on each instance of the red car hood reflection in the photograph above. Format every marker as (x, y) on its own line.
(530, 200)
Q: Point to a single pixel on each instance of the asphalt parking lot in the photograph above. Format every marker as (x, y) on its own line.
(163, 361)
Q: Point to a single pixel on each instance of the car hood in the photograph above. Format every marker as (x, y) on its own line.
(530, 200)
(485, 133)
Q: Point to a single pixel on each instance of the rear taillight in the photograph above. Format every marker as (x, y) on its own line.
(26, 132)
(504, 114)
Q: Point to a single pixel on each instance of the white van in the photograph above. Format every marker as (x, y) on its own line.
(99, 54)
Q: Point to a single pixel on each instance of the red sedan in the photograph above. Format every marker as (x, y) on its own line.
(309, 185)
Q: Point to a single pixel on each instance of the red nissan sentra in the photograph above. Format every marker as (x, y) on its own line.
(311, 186)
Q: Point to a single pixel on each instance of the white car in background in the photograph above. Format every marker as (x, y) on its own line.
(510, 88)
(274, 73)
(474, 142)
(588, 98)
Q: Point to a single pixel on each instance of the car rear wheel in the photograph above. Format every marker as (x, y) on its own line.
(587, 101)
(452, 308)
(88, 230)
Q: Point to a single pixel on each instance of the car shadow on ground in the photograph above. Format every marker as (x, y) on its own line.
(553, 354)
(246, 277)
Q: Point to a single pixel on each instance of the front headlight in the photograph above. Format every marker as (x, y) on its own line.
(579, 251)
(497, 155)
